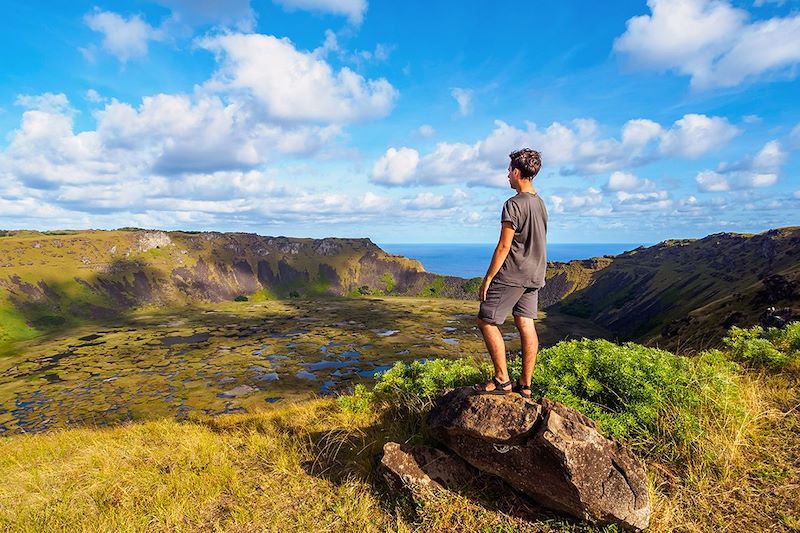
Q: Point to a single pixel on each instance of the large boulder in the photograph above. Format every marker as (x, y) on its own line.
(548, 451)
(422, 471)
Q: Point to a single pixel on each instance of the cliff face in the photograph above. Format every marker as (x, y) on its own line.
(51, 278)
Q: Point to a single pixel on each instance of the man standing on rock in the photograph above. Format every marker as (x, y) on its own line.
(515, 275)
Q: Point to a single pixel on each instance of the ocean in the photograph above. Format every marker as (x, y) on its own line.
(472, 260)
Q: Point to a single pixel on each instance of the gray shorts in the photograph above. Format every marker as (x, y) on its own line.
(500, 299)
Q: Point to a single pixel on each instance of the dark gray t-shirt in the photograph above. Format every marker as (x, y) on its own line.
(527, 260)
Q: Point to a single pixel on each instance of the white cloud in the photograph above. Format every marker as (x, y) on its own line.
(762, 170)
(293, 85)
(711, 41)
(229, 128)
(650, 201)
(695, 135)
(770, 158)
(710, 181)
(47, 102)
(123, 38)
(751, 119)
(639, 132)
(455, 163)
(353, 9)
(584, 202)
(426, 130)
(577, 147)
(623, 181)
(463, 98)
(797, 194)
(93, 96)
(395, 167)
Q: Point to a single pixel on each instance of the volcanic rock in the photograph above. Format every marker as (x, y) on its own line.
(548, 451)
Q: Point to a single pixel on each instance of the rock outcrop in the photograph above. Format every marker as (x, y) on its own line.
(548, 451)
(420, 471)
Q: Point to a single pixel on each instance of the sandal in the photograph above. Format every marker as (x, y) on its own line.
(498, 387)
(519, 387)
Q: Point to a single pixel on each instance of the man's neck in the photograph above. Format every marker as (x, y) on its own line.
(525, 186)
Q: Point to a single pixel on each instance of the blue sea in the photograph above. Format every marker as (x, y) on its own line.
(472, 260)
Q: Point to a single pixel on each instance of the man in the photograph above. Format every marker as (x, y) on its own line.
(515, 275)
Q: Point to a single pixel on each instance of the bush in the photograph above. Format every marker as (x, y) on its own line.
(240, 298)
(358, 402)
(629, 389)
(388, 281)
(774, 348)
(414, 386)
(657, 402)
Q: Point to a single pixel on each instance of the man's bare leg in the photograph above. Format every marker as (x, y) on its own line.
(530, 347)
(497, 351)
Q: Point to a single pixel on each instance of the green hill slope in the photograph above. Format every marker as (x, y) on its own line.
(48, 280)
(686, 293)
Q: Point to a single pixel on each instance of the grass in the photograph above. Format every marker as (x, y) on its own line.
(310, 466)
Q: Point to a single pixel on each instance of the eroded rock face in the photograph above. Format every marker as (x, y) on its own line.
(548, 451)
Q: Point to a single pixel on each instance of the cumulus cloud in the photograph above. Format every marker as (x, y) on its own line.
(395, 167)
(761, 170)
(123, 38)
(695, 135)
(649, 201)
(463, 98)
(47, 102)
(711, 41)
(235, 122)
(582, 202)
(293, 85)
(352, 9)
(623, 181)
(577, 148)
(428, 201)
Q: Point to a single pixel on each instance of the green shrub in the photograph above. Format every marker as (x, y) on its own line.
(434, 289)
(628, 388)
(358, 402)
(240, 298)
(388, 281)
(472, 286)
(657, 402)
(792, 337)
(772, 348)
(415, 385)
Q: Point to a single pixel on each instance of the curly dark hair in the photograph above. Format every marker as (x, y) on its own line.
(527, 161)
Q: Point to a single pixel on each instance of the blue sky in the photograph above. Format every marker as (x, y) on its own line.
(394, 120)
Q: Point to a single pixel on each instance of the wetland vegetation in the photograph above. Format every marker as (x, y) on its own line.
(230, 357)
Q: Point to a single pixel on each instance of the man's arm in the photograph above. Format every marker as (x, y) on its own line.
(498, 258)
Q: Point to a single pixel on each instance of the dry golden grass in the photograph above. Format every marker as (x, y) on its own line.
(309, 467)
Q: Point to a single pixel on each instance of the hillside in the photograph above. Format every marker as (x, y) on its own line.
(56, 278)
(687, 293)
(677, 294)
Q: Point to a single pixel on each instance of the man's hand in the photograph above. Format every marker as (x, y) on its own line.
(484, 288)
